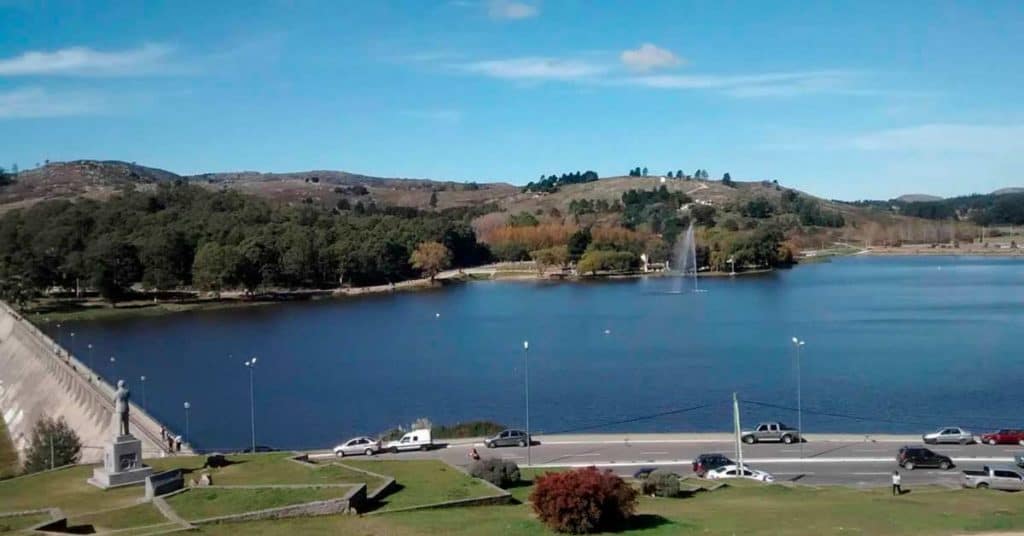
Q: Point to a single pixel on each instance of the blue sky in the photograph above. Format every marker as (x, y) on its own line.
(848, 100)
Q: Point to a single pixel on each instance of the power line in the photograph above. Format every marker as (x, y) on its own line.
(633, 419)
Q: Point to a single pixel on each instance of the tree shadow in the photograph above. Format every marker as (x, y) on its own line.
(642, 522)
(381, 501)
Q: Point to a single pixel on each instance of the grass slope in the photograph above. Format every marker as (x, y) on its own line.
(140, 515)
(423, 482)
(198, 503)
(265, 469)
(8, 456)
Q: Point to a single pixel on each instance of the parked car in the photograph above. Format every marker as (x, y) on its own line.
(1018, 459)
(414, 440)
(706, 462)
(733, 471)
(358, 445)
(508, 438)
(1004, 478)
(772, 431)
(910, 457)
(260, 449)
(952, 434)
(1004, 437)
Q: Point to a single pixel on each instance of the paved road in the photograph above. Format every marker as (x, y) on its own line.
(845, 460)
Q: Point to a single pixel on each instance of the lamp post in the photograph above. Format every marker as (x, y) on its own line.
(73, 344)
(90, 354)
(187, 407)
(142, 381)
(526, 381)
(251, 365)
(60, 334)
(113, 369)
(797, 344)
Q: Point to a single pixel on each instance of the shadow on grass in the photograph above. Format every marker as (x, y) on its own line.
(382, 501)
(642, 522)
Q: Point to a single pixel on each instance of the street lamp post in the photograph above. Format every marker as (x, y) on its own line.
(187, 407)
(90, 354)
(142, 381)
(73, 343)
(113, 369)
(251, 365)
(526, 381)
(797, 344)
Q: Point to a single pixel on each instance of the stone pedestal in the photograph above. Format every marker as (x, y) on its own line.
(122, 464)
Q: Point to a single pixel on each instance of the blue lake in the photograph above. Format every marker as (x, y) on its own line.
(892, 345)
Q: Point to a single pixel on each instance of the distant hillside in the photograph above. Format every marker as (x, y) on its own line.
(89, 178)
(917, 198)
(1011, 190)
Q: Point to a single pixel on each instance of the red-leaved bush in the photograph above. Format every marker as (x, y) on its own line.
(582, 501)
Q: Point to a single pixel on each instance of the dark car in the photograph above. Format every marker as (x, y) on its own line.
(260, 448)
(911, 457)
(707, 462)
(508, 438)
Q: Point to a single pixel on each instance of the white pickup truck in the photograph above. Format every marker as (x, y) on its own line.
(1004, 478)
(414, 440)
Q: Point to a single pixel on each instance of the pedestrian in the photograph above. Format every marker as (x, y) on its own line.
(163, 433)
(177, 443)
(473, 454)
(170, 443)
(896, 490)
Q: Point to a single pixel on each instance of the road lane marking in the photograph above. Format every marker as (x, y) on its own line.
(754, 461)
(585, 454)
(653, 453)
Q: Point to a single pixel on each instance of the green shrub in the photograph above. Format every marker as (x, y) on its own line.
(661, 483)
(53, 444)
(501, 473)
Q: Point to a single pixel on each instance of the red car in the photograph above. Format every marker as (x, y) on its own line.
(1004, 437)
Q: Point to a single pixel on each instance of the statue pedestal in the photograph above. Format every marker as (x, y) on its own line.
(122, 464)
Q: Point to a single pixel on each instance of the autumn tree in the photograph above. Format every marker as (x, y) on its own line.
(430, 258)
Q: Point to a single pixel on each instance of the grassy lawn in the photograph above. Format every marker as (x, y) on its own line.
(423, 482)
(140, 515)
(257, 469)
(11, 524)
(199, 503)
(8, 456)
(66, 489)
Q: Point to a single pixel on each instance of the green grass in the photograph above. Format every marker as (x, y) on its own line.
(140, 515)
(737, 509)
(8, 456)
(259, 469)
(424, 482)
(15, 523)
(199, 503)
(66, 489)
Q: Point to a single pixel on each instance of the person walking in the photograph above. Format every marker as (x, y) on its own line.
(474, 455)
(896, 490)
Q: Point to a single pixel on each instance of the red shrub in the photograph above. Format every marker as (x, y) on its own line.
(583, 501)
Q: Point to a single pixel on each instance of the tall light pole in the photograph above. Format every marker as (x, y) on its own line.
(251, 365)
(797, 344)
(113, 369)
(90, 354)
(142, 380)
(73, 345)
(526, 381)
(187, 407)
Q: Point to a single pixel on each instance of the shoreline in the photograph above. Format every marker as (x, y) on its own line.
(91, 309)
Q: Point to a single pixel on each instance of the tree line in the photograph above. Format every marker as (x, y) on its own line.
(186, 236)
(552, 183)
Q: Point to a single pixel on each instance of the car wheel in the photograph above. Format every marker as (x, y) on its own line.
(944, 465)
(909, 466)
(368, 452)
(522, 443)
(750, 440)
(488, 444)
(339, 453)
(423, 447)
(787, 439)
(1021, 442)
(983, 485)
(394, 450)
(991, 441)
(963, 441)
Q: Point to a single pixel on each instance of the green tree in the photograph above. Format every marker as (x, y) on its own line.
(600, 260)
(727, 179)
(166, 258)
(214, 267)
(523, 219)
(644, 172)
(433, 199)
(578, 243)
(680, 174)
(53, 444)
(557, 256)
(431, 258)
(114, 267)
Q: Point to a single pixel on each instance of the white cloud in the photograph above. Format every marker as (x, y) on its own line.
(37, 102)
(535, 69)
(511, 10)
(649, 57)
(945, 138)
(758, 85)
(85, 61)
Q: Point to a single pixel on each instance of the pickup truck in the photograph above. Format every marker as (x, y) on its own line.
(1004, 478)
(771, 431)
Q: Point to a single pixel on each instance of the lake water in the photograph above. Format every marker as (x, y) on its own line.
(892, 345)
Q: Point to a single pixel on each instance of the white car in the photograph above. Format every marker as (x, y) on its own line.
(357, 445)
(731, 471)
(949, 435)
(414, 440)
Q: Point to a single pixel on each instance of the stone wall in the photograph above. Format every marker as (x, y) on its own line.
(38, 378)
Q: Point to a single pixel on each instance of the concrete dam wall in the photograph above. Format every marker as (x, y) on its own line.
(39, 378)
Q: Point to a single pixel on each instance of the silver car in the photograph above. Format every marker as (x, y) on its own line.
(951, 434)
(508, 438)
(358, 445)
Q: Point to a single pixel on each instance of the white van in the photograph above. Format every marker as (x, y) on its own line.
(414, 440)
